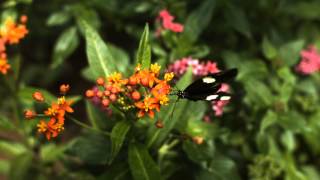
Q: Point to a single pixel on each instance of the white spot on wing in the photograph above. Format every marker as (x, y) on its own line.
(225, 98)
(209, 80)
(211, 97)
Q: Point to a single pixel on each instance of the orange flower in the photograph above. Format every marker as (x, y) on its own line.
(161, 89)
(4, 66)
(50, 129)
(12, 32)
(55, 112)
(147, 106)
(65, 105)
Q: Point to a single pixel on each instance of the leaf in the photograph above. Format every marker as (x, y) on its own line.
(88, 74)
(144, 51)
(199, 153)
(290, 52)
(141, 164)
(95, 116)
(4, 166)
(121, 57)
(93, 148)
(198, 20)
(269, 51)
(221, 168)
(269, 119)
(306, 10)
(117, 172)
(11, 148)
(58, 18)
(100, 59)
(51, 152)
(288, 140)
(118, 135)
(5, 123)
(237, 19)
(67, 42)
(20, 167)
(156, 136)
(85, 13)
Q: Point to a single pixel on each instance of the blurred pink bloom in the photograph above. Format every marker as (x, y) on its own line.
(179, 67)
(217, 106)
(167, 21)
(310, 62)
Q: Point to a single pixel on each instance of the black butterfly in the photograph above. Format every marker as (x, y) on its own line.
(206, 88)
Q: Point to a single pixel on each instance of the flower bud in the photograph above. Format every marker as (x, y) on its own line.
(38, 96)
(64, 88)
(89, 93)
(136, 95)
(100, 81)
(113, 97)
(105, 102)
(28, 114)
(198, 140)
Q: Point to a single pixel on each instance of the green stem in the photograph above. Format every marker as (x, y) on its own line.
(87, 126)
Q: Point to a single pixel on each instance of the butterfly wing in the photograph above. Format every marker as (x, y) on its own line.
(211, 82)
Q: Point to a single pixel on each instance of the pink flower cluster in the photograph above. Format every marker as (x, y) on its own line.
(167, 21)
(310, 62)
(179, 67)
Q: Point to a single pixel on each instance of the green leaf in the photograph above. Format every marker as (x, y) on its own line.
(156, 136)
(118, 134)
(288, 140)
(269, 119)
(199, 153)
(237, 19)
(306, 10)
(198, 20)
(95, 116)
(93, 148)
(19, 168)
(141, 164)
(117, 172)
(58, 18)
(5, 123)
(88, 74)
(100, 59)
(4, 166)
(11, 148)
(290, 52)
(121, 57)
(51, 152)
(144, 51)
(67, 42)
(221, 168)
(269, 51)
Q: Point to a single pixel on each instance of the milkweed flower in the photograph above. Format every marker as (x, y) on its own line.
(10, 33)
(167, 22)
(54, 116)
(179, 67)
(310, 62)
(144, 92)
(4, 66)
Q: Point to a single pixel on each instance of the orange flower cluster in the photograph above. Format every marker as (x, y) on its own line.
(142, 92)
(55, 114)
(10, 33)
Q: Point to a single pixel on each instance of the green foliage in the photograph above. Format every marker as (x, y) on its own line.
(269, 130)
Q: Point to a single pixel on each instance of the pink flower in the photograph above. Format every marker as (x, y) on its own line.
(310, 62)
(218, 106)
(179, 67)
(167, 22)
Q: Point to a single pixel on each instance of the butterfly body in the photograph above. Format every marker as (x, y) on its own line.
(207, 87)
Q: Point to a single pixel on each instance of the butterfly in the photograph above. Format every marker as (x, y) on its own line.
(207, 87)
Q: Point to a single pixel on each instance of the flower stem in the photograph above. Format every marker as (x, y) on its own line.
(87, 126)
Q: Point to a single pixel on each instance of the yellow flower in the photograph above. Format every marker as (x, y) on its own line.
(163, 99)
(168, 76)
(115, 77)
(155, 68)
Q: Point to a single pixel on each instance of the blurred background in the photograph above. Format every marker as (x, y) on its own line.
(269, 130)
